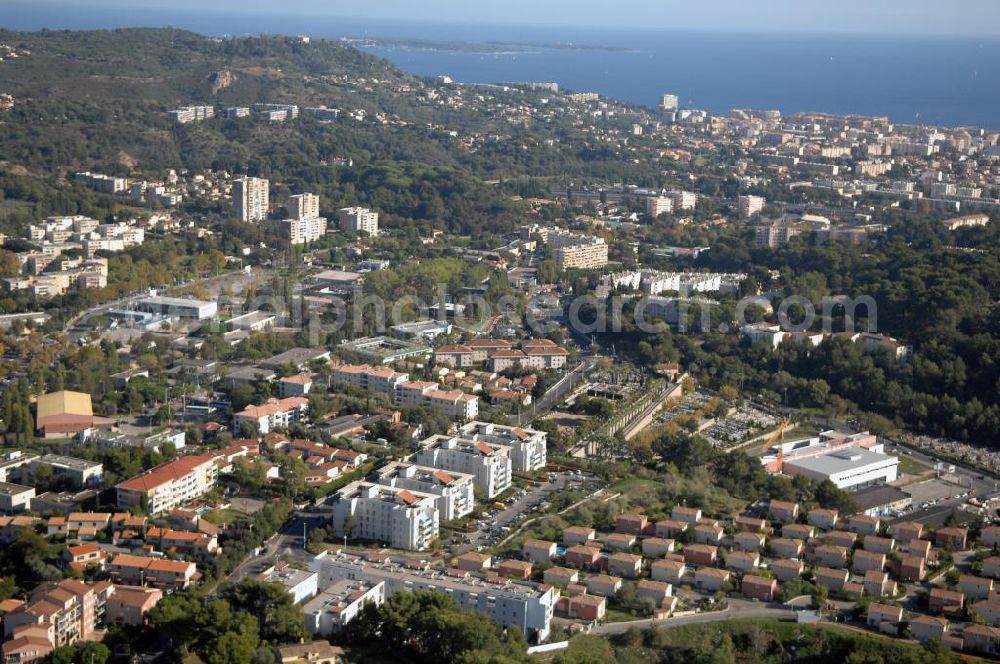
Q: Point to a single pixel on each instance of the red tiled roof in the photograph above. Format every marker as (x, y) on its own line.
(172, 470)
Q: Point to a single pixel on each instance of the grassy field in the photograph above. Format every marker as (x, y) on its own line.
(634, 485)
(224, 516)
(910, 466)
(801, 431)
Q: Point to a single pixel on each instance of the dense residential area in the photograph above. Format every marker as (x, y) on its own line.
(304, 358)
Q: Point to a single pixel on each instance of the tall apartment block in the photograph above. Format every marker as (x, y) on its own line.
(251, 198)
(657, 205)
(750, 205)
(306, 229)
(358, 220)
(303, 206)
(402, 518)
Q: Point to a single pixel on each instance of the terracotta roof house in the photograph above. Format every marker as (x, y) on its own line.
(603, 585)
(784, 547)
(577, 535)
(700, 554)
(759, 587)
(823, 518)
(625, 565)
(786, 569)
(710, 579)
(907, 530)
(560, 576)
(671, 527)
(797, 531)
(926, 628)
(671, 571)
(582, 607)
(783, 510)
(941, 600)
(655, 547)
(631, 523)
(832, 579)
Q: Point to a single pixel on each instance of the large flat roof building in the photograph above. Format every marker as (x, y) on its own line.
(81, 471)
(528, 606)
(64, 414)
(178, 306)
(849, 468)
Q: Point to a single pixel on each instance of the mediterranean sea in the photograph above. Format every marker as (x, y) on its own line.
(949, 81)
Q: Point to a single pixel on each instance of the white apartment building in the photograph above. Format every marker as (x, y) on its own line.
(306, 229)
(169, 485)
(527, 446)
(274, 414)
(358, 220)
(339, 604)
(303, 206)
(657, 205)
(378, 379)
(528, 606)
(684, 200)
(454, 403)
(107, 184)
(251, 198)
(590, 256)
(489, 464)
(454, 490)
(186, 114)
(750, 205)
(402, 518)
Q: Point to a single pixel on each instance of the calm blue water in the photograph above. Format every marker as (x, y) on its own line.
(949, 81)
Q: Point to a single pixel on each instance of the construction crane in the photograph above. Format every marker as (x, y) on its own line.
(779, 437)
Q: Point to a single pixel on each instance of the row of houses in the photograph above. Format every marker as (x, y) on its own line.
(455, 404)
(500, 355)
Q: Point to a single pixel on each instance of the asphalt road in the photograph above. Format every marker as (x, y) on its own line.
(738, 608)
(286, 542)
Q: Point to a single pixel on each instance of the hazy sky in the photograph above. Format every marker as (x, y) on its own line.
(901, 17)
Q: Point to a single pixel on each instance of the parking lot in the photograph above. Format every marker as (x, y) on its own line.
(527, 502)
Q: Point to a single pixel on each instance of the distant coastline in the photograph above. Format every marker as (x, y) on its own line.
(940, 81)
(476, 47)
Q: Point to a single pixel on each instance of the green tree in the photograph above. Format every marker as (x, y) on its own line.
(279, 619)
(95, 653)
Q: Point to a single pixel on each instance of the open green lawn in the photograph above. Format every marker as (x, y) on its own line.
(801, 431)
(910, 466)
(224, 516)
(617, 615)
(634, 484)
